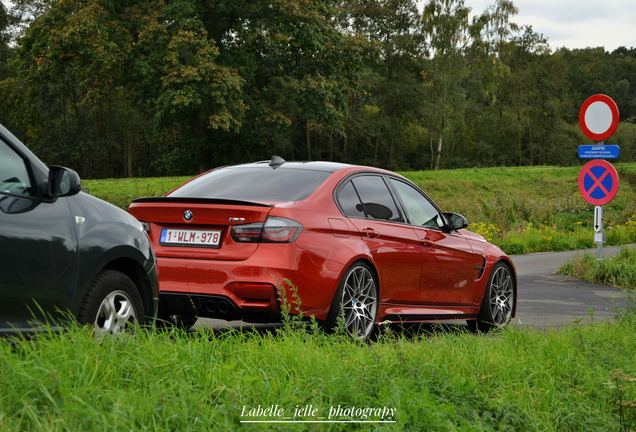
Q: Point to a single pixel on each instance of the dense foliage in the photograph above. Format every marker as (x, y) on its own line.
(129, 87)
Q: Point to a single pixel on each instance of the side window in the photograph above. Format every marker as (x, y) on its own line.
(349, 202)
(14, 176)
(418, 209)
(376, 198)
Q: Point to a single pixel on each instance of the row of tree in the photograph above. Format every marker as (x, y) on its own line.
(135, 87)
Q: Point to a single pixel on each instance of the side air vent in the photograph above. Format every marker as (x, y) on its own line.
(481, 268)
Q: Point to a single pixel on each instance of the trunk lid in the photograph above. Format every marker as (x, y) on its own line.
(198, 228)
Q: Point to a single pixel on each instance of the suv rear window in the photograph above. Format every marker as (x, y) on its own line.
(254, 184)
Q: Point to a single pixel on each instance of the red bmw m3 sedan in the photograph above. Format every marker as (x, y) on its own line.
(358, 241)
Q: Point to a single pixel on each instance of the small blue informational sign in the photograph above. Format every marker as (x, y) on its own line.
(598, 151)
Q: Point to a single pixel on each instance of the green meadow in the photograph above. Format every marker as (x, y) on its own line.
(522, 210)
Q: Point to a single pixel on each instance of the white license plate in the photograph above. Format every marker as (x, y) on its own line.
(196, 238)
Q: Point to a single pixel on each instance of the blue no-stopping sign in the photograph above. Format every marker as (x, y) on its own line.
(598, 182)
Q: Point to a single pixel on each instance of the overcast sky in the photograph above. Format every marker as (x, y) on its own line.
(576, 23)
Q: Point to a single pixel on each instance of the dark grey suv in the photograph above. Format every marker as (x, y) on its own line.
(62, 250)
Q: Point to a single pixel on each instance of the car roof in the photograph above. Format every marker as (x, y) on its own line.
(315, 165)
(322, 166)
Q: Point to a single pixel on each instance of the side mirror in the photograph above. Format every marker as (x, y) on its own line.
(63, 182)
(455, 221)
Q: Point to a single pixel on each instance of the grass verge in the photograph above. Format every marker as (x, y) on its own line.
(619, 271)
(578, 378)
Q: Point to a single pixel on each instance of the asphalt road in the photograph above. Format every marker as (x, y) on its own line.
(545, 299)
(550, 300)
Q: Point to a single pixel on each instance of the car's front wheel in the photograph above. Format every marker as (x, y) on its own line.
(356, 301)
(499, 300)
(112, 304)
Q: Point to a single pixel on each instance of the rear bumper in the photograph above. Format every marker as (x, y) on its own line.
(239, 289)
(211, 306)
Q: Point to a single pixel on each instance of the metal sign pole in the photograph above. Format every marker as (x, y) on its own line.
(599, 235)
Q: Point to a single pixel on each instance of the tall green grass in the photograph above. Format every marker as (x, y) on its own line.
(618, 271)
(576, 379)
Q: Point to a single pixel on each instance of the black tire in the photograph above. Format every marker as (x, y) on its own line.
(112, 305)
(179, 321)
(500, 300)
(356, 301)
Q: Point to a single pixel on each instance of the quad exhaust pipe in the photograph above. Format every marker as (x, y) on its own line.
(217, 306)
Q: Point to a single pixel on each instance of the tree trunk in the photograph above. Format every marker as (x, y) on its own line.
(375, 150)
(344, 146)
(531, 145)
(330, 148)
(432, 151)
(519, 137)
(292, 143)
(129, 158)
(308, 143)
(200, 132)
(438, 153)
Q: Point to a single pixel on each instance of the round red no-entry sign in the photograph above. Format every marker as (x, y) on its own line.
(598, 182)
(599, 117)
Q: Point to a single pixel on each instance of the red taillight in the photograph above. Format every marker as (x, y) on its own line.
(279, 235)
(248, 233)
(274, 230)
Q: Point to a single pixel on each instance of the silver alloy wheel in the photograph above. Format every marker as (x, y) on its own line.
(501, 296)
(115, 313)
(359, 302)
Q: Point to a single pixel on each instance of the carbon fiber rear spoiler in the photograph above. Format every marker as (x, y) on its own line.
(185, 200)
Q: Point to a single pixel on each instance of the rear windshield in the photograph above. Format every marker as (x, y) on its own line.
(254, 184)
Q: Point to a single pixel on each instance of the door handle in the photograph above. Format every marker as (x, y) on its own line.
(370, 232)
(427, 242)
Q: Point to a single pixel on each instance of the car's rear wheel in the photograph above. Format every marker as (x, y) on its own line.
(112, 305)
(499, 300)
(356, 301)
